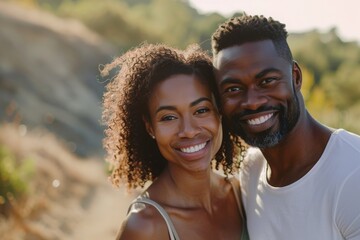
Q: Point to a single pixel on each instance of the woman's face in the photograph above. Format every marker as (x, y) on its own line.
(185, 122)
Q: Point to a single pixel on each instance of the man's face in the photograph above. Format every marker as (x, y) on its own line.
(258, 93)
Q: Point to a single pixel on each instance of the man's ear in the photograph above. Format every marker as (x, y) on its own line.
(148, 127)
(297, 76)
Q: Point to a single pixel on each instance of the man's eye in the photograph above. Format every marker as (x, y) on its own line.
(268, 80)
(232, 89)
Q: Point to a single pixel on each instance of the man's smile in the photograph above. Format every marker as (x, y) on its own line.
(259, 120)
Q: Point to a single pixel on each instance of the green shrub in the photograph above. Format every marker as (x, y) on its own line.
(14, 176)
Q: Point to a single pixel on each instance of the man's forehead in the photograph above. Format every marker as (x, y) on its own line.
(264, 47)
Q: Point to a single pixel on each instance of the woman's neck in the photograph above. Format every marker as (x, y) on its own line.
(187, 189)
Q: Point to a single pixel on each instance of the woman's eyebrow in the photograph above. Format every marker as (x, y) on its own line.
(194, 103)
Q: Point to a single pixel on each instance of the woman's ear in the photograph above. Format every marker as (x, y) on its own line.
(148, 127)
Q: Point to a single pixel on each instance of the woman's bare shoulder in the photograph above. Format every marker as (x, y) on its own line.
(144, 223)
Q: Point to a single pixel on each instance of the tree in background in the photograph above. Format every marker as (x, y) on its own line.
(334, 66)
(329, 63)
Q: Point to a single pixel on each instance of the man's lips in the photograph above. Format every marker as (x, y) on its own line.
(256, 122)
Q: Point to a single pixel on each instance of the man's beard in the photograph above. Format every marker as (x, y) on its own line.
(268, 138)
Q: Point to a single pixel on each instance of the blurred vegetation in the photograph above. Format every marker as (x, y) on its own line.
(331, 67)
(331, 75)
(127, 23)
(14, 175)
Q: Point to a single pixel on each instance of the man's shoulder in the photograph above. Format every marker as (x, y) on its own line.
(343, 156)
(350, 140)
(346, 135)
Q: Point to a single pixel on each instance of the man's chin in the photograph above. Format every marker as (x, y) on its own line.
(265, 139)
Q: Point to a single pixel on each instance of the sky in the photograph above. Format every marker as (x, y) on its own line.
(299, 16)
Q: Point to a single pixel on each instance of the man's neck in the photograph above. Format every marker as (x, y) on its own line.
(297, 153)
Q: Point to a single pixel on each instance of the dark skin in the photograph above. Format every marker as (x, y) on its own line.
(200, 202)
(253, 76)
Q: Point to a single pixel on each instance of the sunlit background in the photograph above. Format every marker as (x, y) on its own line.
(297, 15)
(53, 177)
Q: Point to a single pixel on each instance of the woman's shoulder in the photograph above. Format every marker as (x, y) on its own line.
(143, 222)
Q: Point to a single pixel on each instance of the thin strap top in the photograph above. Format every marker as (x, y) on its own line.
(171, 228)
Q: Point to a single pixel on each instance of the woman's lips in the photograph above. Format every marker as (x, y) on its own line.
(194, 148)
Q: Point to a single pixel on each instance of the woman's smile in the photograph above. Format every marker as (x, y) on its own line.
(194, 148)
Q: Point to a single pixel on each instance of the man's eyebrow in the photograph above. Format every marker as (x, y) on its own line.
(231, 80)
(228, 80)
(266, 71)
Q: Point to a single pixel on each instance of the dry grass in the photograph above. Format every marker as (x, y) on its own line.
(70, 198)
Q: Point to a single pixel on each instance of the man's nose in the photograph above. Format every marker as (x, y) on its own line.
(253, 99)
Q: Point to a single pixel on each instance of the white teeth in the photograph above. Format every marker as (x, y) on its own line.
(193, 148)
(260, 120)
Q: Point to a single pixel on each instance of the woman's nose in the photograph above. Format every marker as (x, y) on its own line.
(189, 128)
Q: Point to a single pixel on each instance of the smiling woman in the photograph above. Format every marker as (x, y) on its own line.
(185, 121)
(164, 126)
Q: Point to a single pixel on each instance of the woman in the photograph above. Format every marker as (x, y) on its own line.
(164, 127)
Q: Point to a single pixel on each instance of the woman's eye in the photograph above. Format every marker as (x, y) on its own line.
(202, 110)
(168, 118)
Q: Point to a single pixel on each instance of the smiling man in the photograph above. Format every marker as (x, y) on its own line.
(301, 178)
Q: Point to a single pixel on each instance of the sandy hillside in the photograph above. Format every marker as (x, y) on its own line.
(49, 75)
(49, 80)
(70, 198)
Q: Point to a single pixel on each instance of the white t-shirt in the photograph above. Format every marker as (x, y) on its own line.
(322, 205)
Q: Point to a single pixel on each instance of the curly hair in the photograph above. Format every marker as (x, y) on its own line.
(247, 28)
(133, 155)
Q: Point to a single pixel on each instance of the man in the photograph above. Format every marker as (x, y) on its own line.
(302, 181)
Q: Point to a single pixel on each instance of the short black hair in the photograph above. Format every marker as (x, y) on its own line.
(247, 28)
